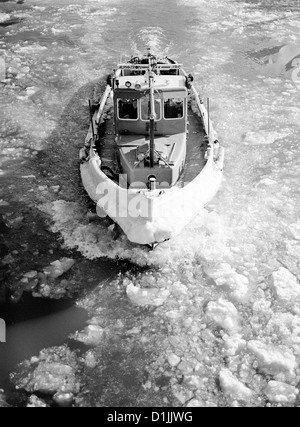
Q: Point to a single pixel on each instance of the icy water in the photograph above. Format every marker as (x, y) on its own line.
(218, 320)
(34, 325)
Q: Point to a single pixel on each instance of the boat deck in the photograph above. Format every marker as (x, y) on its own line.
(196, 144)
(107, 149)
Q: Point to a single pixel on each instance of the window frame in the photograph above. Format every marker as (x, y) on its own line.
(161, 113)
(183, 110)
(118, 109)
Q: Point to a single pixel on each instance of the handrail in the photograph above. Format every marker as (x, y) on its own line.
(207, 122)
(92, 120)
(146, 66)
(103, 102)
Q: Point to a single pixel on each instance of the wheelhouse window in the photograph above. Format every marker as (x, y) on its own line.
(145, 108)
(128, 109)
(173, 108)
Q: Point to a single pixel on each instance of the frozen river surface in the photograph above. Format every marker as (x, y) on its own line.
(211, 318)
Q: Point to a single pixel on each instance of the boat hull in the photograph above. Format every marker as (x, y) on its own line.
(145, 217)
(151, 215)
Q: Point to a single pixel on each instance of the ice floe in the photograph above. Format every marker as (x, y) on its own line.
(59, 267)
(173, 360)
(53, 374)
(146, 296)
(285, 287)
(224, 314)
(273, 360)
(91, 335)
(4, 17)
(263, 137)
(234, 344)
(280, 392)
(35, 402)
(237, 285)
(233, 387)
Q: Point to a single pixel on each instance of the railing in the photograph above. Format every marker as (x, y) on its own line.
(146, 66)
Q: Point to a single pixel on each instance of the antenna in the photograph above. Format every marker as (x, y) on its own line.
(92, 119)
(208, 118)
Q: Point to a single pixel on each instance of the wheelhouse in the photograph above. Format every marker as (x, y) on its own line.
(150, 99)
(132, 100)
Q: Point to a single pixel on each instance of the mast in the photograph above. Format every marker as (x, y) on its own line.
(208, 119)
(152, 109)
(152, 119)
(92, 119)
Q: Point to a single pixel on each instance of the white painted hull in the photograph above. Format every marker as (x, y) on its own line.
(160, 218)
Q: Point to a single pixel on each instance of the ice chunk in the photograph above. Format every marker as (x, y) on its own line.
(285, 286)
(193, 382)
(173, 359)
(232, 386)
(295, 230)
(267, 181)
(273, 360)
(35, 402)
(226, 276)
(90, 360)
(233, 344)
(293, 249)
(31, 274)
(174, 315)
(31, 91)
(263, 137)
(63, 400)
(281, 392)
(4, 17)
(45, 291)
(55, 188)
(147, 296)
(58, 268)
(223, 313)
(92, 335)
(49, 378)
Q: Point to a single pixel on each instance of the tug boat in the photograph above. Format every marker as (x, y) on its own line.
(151, 159)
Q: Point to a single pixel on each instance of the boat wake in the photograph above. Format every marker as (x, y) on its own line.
(151, 37)
(95, 240)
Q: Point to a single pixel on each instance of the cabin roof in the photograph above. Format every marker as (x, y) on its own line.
(165, 82)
